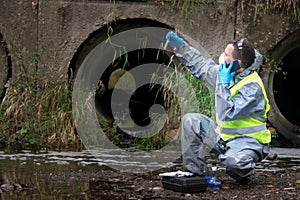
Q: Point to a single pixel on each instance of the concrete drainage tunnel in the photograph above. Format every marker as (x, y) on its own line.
(282, 85)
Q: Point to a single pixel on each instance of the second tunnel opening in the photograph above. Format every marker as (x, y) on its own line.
(286, 87)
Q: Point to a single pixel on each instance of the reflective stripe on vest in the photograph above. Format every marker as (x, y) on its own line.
(255, 126)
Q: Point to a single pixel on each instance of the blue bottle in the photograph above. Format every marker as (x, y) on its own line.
(213, 182)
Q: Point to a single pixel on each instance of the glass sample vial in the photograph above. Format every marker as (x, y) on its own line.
(208, 172)
(214, 183)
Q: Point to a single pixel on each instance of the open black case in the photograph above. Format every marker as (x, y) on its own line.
(185, 184)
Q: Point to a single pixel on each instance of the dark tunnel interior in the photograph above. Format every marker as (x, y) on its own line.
(143, 97)
(286, 87)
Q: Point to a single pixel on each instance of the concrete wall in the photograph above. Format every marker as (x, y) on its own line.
(57, 28)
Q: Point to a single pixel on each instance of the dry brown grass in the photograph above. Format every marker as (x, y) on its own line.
(42, 109)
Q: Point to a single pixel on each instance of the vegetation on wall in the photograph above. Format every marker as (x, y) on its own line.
(289, 7)
(188, 7)
(292, 7)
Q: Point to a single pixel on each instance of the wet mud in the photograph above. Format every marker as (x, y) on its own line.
(265, 185)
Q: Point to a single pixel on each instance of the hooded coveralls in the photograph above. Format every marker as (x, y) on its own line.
(240, 137)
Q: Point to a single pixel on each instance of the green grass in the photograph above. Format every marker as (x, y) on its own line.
(36, 112)
(289, 7)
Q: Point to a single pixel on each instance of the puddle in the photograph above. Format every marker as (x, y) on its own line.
(61, 175)
(288, 158)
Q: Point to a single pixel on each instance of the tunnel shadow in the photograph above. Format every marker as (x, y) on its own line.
(140, 101)
(286, 87)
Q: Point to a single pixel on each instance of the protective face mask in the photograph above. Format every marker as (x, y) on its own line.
(221, 58)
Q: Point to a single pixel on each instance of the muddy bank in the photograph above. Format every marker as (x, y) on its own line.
(283, 184)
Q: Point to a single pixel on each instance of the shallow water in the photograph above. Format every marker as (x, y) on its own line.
(54, 175)
(288, 158)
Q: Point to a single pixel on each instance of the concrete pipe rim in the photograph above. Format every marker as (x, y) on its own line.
(280, 114)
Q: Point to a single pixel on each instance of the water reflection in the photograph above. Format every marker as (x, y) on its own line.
(39, 175)
(69, 175)
(288, 158)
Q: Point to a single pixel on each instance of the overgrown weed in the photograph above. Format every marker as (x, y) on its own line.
(36, 111)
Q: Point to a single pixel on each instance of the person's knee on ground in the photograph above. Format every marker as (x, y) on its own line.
(241, 156)
(240, 166)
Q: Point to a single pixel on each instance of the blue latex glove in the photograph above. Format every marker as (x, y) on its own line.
(174, 39)
(225, 75)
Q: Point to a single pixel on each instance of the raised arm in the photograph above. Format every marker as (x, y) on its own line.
(200, 67)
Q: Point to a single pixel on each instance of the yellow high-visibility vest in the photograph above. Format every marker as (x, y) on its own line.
(255, 125)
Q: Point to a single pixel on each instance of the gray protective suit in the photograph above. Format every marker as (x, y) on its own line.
(198, 136)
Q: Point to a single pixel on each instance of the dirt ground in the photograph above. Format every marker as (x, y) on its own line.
(283, 184)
